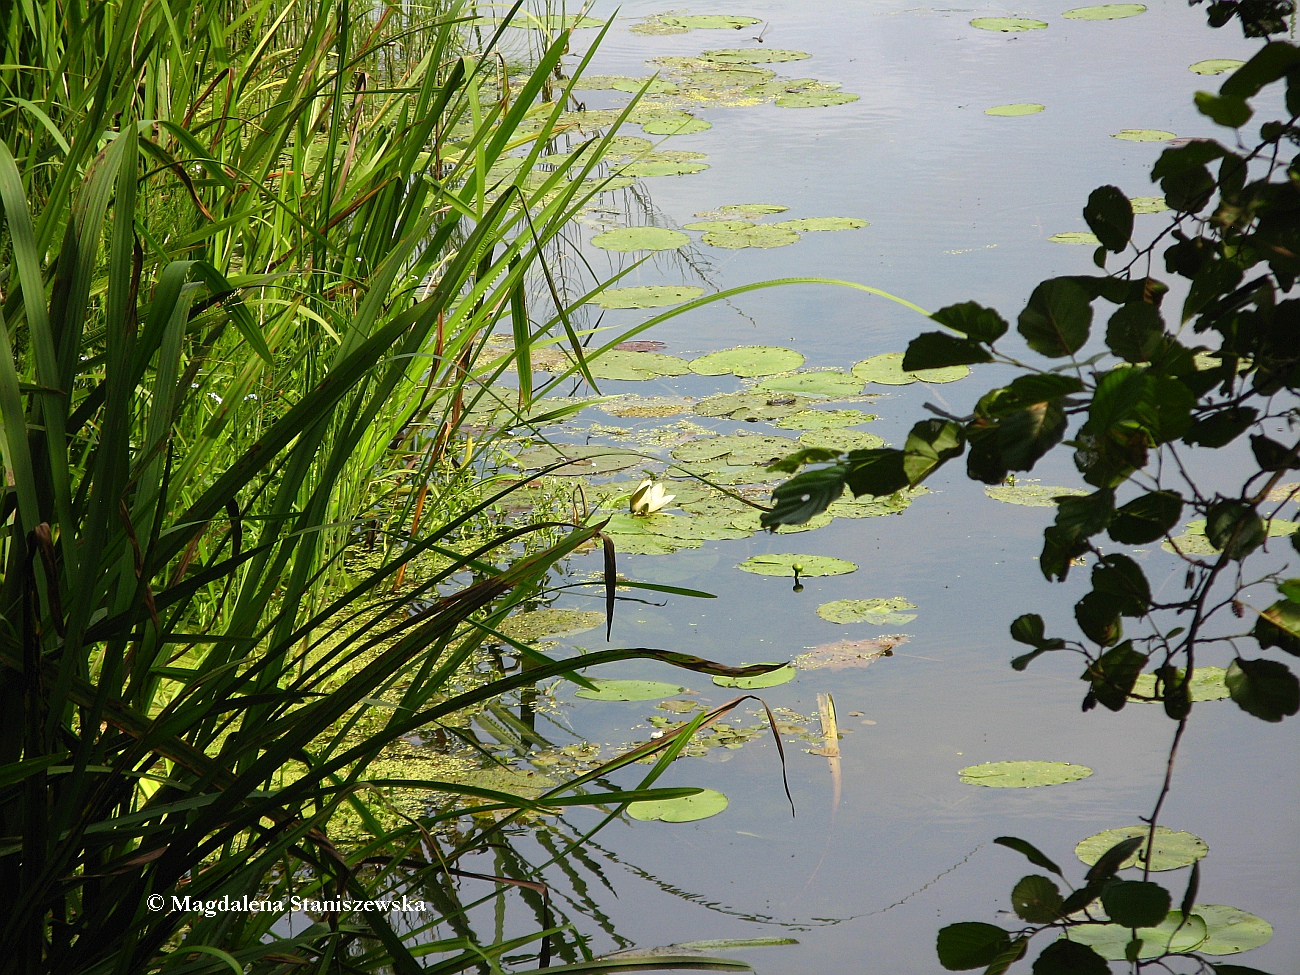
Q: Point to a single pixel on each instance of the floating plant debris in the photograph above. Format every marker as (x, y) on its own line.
(849, 653)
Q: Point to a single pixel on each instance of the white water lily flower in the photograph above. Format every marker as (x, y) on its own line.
(648, 498)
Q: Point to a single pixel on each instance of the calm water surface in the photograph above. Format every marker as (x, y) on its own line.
(961, 205)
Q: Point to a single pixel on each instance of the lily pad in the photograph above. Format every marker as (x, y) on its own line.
(706, 803)
(869, 507)
(1023, 775)
(629, 690)
(823, 419)
(811, 224)
(1007, 25)
(736, 450)
(703, 226)
(1148, 204)
(618, 364)
(669, 163)
(599, 82)
(1075, 237)
(652, 86)
(1144, 135)
(824, 383)
(849, 653)
(1215, 66)
(750, 55)
(1207, 684)
(584, 459)
(544, 624)
(647, 296)
(1106, 11)
(1170, 851)
(841, 439)
(809, 566)
(815, 99)
(751, 406)
(746, 361)
(674, 123)
(877, 612)
(1174, 935)
(887, 369)
(640, 239)
(751, 235)
(772, 678)
(1193, 541)
(752, 209)
(1011, 111)
(1030, 494)
(1230, 930)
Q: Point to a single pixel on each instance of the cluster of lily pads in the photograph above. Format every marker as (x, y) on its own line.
(1016, 25)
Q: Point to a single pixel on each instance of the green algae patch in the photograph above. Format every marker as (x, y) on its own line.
(1014, 110)
(640, 239)
(550, 624)
(1171, 850)
(805, 566)
(747, 361)
(628, 690)
(877, 612)
(1105, 11)
(688, 809)
(647, 296)
(1023, 775)
(1007, 25)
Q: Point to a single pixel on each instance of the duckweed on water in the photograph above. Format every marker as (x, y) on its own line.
(1023, 775)
(544, 624)
(1170, 851)
(647, 296)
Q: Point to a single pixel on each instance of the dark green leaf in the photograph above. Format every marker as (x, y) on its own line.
(809, 455)
(1036, 899)
(1055, 323)
(1028, 434)
(1272, 62)
(1165, 410)
(1146, 518)
(1116, 398)
(1189, 191)
(1082, 897)
(1007, 957)
(1279, 626)
(1193, 885)
(1224, 110)
(1070, 958)
(1112, 675)
(979, 323)
(1264, 688)
(1184, 158)
(930, 444)
(1098, 617)
(970, 944)
(1110, 216)
(1273, 456)
(1136, 903)
(1134, 331)
(803, 496)
(1177, 694)
(1236, 970)
(1030, 853)
(1028, 629)
(877, 472)
(1112, 859)
(1213, 280)
(1222, 427)
(1122, 580)
(935, 350)
(1039, 387)
(1234, 527)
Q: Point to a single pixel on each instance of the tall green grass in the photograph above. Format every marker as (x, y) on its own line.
(250, 259)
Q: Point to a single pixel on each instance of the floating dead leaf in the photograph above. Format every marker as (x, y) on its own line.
(849, 653)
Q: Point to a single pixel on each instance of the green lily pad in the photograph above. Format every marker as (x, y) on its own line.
(1106, 11)
(749, 55)
(708, 77)
(1172, 935)
(810, 566)
(751, 235)
(824, 383)
(841, 439)
(647, 296)
(751, 406)
(512, 781)
(877, 612)
(819, 520)
(599, 82)
(1171, 850)
(652, 86)
(585, 459)
(1215, 66)
(640, 239)
(1207, 684)
(1011, 111)
(869, 507)
(772, 678)
(1075, 237)
(1023, 775)
(703, 528)
(746, 361)
(1230, 930)
(887, 369)
(815, 99)
(704, 226)
(628, 690)
(709, 21)
(1030, 494)
(1148, 204)
(667, 163)
(617, 364)
(736, 450)
(1144, 135)
(650, 544)
(811, 224)
(1193, 541)
(752, 209)
(549, 624)
(823, 419)
(706, 803)
(674, 123)
(1007, 25)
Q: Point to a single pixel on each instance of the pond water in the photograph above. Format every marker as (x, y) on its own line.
(888, 844)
